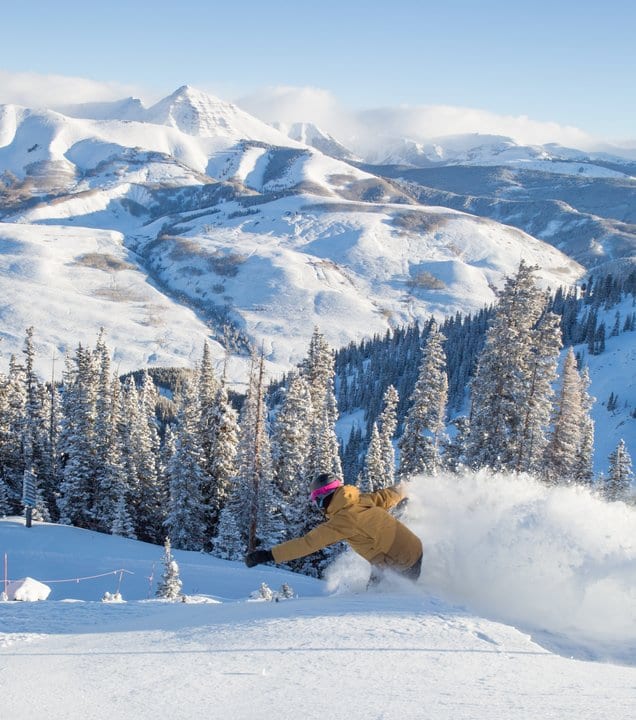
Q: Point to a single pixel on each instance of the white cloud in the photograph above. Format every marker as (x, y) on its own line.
(292, 104)
(38, 90)
(362, 129)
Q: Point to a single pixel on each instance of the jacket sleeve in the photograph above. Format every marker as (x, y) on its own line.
(388, 497)
(320, 537)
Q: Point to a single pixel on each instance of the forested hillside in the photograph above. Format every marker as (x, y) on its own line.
(172, 453)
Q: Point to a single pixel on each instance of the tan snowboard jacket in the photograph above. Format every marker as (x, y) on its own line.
(363, 521)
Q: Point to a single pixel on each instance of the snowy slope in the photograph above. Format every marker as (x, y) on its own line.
(497, 551)
(350, 268)
(70, 282)
(613, 372)
(310, 134)
(222, 213)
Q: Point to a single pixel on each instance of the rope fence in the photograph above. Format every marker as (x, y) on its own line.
(77, 580)
(121, 571)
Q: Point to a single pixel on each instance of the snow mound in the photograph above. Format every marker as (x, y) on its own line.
(27, 590)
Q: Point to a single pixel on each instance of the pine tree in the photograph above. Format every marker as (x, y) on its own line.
(290, 452)
(252, 516)
(224, 437)
(508, 406)
(620, 476)
(5, 508)
(425, 420)
(169, 588)
(151, 494)
(109, 468)
(12, 421)
(539, 368)
(77, 441)
(207, 391)
(264, 525)
(387, 427)
(565, 439)
(122, 524)
(52, 403)
(230, 541)
(318, 371)
(33, 430)
(5, 505)
(455, 447)
(373, 477)
(584, 465)
(185, 516)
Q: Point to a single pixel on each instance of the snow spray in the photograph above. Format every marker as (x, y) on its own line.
(557, 561)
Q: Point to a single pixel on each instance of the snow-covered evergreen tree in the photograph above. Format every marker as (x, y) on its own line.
(425, 421)
(109, 470)
(508, 392)
(373, 476)
(620, 476)
(290, 452)
(151, 493)
(387, 427)
(12, 420)
(562, 450)
(122, 523)
(230, 541)
(33, 430)
(51, 405)
(584, 466)
(77, 442)
(223, 434)
(207, 390)
(185, 516)
(169, 587)
(5, 508)
(455, 446)
(318, 371)
(252, 516)
(539, 369)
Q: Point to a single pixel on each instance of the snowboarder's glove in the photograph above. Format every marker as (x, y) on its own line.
(257, 557)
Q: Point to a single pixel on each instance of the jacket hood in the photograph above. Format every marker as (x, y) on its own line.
(343, 497)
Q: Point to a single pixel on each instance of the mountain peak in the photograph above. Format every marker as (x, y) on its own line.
(310, 134)
(192, 93)
(194, 112)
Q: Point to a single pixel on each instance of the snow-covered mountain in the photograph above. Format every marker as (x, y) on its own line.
(581, 202)
(231, 222)
(531, 608)
(310, 134)
(487, 150)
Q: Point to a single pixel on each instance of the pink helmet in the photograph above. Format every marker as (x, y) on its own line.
(323, 486)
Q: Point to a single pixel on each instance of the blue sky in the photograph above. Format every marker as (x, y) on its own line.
(571, 63)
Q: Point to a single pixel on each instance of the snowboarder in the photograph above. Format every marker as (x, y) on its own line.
(362, 520)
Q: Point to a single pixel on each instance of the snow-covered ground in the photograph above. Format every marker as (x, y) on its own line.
(526, 609)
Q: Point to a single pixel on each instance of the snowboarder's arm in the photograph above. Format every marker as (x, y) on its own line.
(316, 539)
(388, 497)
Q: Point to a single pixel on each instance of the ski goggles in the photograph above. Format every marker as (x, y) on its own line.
(318, 496)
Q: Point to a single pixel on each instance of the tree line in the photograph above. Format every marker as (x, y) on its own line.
(222, 474)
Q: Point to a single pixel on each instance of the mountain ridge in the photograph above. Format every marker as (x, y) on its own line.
(270, 234)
